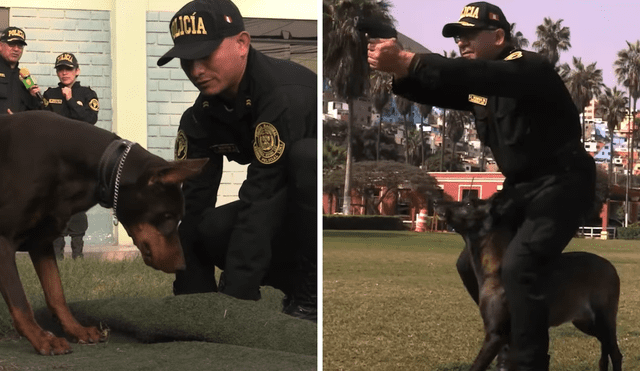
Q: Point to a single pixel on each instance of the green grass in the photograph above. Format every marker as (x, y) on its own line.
(91, 278)
(393, 300)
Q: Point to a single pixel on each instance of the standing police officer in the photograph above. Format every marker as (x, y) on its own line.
(254, 110)
(14, 96)
(525, 114)
(72, 100)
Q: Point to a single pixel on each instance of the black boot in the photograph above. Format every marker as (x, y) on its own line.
(302, 302)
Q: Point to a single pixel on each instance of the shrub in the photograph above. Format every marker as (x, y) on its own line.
(362, 222)
(631, 232)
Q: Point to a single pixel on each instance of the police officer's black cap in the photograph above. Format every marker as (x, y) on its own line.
(13, 34)
(478, 16)
(200, 26)
(66, 60)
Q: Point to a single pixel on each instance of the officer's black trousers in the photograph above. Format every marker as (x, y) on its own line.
(552, 208)
(76, 228)
(293, 264)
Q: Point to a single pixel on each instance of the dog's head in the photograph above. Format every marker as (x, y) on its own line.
(151, 209)
(467, 216)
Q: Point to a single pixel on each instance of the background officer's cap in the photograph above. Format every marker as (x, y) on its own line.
(200, 26)
(478, 16)
(13, 34)
(67, 60)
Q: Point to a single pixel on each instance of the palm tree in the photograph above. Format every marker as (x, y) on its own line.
(552, 38)
(403, 105)
(345, 58)
(457, 121)
(425, 113)
(628, 70)
(452, 54)
(613, 104)
(518, 39)
(584, 83)
(380, 93)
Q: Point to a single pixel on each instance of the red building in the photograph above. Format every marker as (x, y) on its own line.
(459, 185)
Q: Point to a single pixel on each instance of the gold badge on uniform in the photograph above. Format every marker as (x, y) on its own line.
(94, 104)
(514, 55)
(267, 145)
(181, 146)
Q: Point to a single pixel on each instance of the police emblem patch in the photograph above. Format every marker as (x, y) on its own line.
(94, 104)
(181, 146)
(267, 145)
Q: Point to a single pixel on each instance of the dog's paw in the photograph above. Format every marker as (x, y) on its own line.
(50, 345)
(88, 335)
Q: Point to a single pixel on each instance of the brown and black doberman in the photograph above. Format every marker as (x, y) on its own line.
(580, 287)
(52, 167)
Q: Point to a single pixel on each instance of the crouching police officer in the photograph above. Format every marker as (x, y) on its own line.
(256, 110)
(525, 114)
(72, 100)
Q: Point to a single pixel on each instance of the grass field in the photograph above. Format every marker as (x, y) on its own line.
(91, 278)
(394, 301)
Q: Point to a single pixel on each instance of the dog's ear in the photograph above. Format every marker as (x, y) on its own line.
(178, 171)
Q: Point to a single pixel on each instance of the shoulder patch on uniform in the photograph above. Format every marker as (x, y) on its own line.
(477, 99)
(181, 146)
(514, 55)
(94, 104)
(267, 145)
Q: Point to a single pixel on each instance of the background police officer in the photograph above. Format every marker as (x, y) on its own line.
(14, 96)
(525, 114)
(72, 100)
(254, 110)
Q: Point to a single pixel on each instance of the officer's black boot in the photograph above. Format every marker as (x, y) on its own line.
(303, 301)
(58, 247)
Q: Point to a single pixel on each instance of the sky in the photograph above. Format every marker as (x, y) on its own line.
(599, 29)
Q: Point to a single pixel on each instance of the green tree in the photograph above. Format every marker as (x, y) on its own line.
(628, 73)
(345, 58)
(584, 83)
(380, 94)
(425, 114)
(613, 104)
(552, 38)
(403, 105)
(518, 39)
(387, 175)
(456, 123)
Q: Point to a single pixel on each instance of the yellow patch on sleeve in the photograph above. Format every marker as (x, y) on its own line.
(514, 55)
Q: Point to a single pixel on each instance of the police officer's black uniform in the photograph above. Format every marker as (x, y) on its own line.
(83, 106)
(525, 114)
(13, 94)
(269, 235)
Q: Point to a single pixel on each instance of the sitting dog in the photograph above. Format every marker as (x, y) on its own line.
(51, 168)
(580, 287)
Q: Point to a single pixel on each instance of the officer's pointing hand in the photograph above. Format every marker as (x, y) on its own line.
(386, 55)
